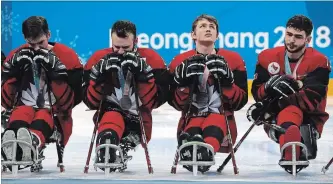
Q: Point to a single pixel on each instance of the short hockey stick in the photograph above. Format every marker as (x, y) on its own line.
(225, 162)
(325, 168)
(59, 145)
(144, 142)
(232, 153)
(86, 167)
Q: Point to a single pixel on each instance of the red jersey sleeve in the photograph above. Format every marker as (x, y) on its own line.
(92, 93)
(237, 94)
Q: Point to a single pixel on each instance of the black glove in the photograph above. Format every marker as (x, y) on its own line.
(53, 67)
(262, 111)
(188, 69)
(113, 62)
(219, 68)
(281, 86)
(109, 63)
(137, 65)
(18, 63)
(254, 112)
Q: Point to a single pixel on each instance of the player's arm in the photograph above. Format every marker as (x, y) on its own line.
(11, 78)
(237, 94)
(314, 88)
(178, 95)
(162, 80)
(92, 91)
(64, 95)
(143, 77)
(261, 76)
(233, 81)
(56, 73)
(8, 92)
(161, 76)
(75, 77)
(147, 90)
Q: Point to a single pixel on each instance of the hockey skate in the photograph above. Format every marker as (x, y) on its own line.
(291, 159)
(195, 155)
(110, 156)
(20, 151)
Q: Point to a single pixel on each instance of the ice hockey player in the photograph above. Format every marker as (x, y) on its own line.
(113, 78)
(200, 76)
(33, 76)
(293, 78)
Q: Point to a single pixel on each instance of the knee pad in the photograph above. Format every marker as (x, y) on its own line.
(290, 114)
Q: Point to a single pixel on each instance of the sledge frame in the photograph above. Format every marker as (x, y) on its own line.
(195, 163)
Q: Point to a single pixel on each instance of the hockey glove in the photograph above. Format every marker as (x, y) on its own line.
(109, 63)
(137, 65)
(188, 69)
(262, 111)
(255, 115)
(254, 111)
(53, 67)
(18, 63)
(281, 86)
(219, 68)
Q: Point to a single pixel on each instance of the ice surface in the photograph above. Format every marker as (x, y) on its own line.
(257, 158)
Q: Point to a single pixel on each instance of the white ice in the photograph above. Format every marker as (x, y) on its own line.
(257, 157)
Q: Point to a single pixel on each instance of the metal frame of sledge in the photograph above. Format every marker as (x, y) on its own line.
(294, 162)
(14, 163)
(195, 163)
(106, 165)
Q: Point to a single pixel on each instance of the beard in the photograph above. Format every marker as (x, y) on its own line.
(298, 48)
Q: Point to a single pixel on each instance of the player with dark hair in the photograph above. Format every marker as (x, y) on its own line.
(124, 83)
(294, 79)
(41, 83)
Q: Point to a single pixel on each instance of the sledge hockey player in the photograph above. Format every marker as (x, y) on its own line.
(199, 78)
(41, 83)
(293, 78)
(116, 80)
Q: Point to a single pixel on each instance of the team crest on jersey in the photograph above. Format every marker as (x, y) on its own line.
(273, 68)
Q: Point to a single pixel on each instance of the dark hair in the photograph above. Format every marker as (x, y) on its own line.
(302, 23)
(207, 17)
(122, 28)
(34, 27)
